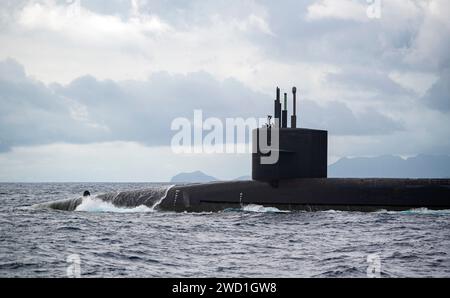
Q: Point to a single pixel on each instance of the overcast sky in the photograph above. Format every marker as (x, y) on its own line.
(88, 93)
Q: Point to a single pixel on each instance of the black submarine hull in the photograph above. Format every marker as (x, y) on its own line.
(312, 194)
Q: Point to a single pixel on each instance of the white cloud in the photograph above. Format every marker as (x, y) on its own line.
(430, 48)
(256, 22)
(338, 9)
(91, 110)
(419, 82)
(137, 45)
(88, 27)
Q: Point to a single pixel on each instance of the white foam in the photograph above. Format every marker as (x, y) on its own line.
(425, 211)
(261, 209)
(157, 203)
(332, 211)
(417, 211)
(93, 204)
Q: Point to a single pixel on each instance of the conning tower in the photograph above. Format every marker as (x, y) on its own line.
(302, 152)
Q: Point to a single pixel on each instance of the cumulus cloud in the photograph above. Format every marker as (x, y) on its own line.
(340, 120)
(31, 113)
(91, 110)
(429, 48)
(438, 96)
(343, 10)
(367, 80)
(139, 41)
(83, 25)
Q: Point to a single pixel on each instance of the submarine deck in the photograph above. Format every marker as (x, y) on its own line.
(353, 194)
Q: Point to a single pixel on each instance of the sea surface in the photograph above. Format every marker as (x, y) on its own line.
(101, 240)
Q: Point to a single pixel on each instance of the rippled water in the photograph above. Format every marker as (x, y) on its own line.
(251, 242)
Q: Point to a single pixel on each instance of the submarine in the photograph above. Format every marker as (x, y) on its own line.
(296, 180)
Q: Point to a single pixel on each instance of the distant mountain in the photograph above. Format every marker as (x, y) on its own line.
(385, 166)
(193, 177)
(389, 166)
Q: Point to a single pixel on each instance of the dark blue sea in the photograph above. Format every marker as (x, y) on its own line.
(254, 241)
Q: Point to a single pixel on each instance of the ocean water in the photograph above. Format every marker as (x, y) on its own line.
(253, 241)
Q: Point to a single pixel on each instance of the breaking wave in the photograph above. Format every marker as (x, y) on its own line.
(258, 209)
(417, 211)
(147, 200)
(93, 204)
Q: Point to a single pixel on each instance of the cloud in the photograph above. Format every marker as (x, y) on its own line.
(340, 120)
(91, 110)
(150, 39)
(88, 27)
(429, 48)
(438, 96)
(342, 9)
(367, 80)
(31, 113)
(378, 85)
(255, 42)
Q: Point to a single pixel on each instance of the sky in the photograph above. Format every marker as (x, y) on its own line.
(89, 88)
